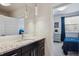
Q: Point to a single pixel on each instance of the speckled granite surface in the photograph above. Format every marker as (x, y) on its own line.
(9, 43)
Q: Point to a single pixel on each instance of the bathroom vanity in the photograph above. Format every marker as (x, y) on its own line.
(31, 46)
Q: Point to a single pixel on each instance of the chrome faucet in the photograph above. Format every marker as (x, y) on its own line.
(21, 32)
(22, 35)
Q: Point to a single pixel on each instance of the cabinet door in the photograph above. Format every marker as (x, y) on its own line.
(34, 50)
(41, 48)
(27, 50)
(27, 53)
(16, 52)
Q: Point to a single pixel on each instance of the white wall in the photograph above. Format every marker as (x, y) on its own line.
(18, 13)
(29, 19)
(58, 19)
(41, 24)
(29, 27)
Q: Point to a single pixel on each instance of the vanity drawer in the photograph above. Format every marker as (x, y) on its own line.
(41, 43)
(26, 50)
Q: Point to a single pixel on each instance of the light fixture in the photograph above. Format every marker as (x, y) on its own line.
(5, 4)
(26, 12)
(62, 8)
(36, 10)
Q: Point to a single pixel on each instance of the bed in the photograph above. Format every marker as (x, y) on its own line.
(70, 44)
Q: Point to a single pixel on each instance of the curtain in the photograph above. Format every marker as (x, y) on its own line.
(62, 28)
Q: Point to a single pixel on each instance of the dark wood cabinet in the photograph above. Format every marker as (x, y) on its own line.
(35, 49)
(27, 50)
(41, 48)
(16, 52)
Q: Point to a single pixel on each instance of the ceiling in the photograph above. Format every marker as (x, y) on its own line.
(12, 7)
(56, 5)
(71, 9)
(15, 6)
(22, 6)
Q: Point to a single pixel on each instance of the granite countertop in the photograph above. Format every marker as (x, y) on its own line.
(10, 43)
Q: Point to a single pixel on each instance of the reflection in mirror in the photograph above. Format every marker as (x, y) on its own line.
(11, 18)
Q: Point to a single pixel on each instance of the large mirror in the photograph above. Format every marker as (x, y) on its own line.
(11, 18)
